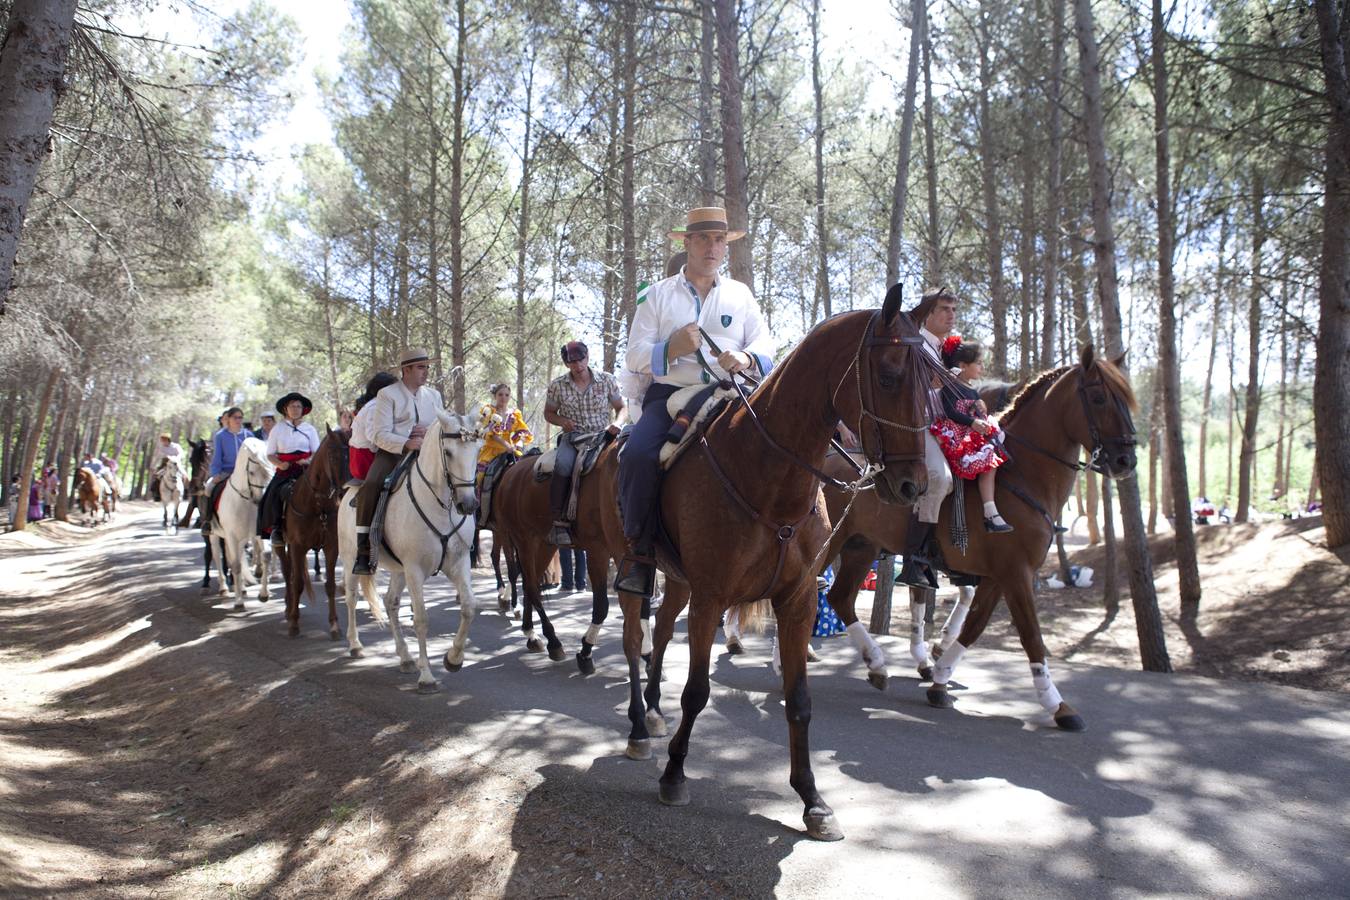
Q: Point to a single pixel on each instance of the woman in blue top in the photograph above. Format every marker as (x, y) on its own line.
(225, 445)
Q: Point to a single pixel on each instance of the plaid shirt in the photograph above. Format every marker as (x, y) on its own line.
(590, 409)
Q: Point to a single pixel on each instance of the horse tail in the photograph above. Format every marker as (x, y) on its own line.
(754, 615)
(367, 585)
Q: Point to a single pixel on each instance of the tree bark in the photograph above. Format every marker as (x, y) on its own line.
(900, 191)
(1251, 411)
(933, 256)
(733, 139)
(30, 450)
(523, 226)
(1148, 619)
(993, 223)
(707, 139)
(461, 88)
(32, 67)
(1054, 187)
(1331, 380)
(1188, 568)
(822, 298)
(628, 294)
(1208, 393)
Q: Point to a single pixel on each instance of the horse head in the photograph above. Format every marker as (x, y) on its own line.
(1107, 427)
(330, 461)
(893, 374)
(458, 440)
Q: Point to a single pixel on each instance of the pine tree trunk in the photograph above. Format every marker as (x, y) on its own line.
(32, 68)
(707, 137)
(733, 139)
(30, 450)
(628, 296)
(1148, 618)
(1251, 411)
(993, 223)
(822, 292)
(1188, 569)
(900, 190)
(1331, 384)
(1208, 394)
(1054, 187)
(462, 88)
(523, 229)
(933, 256)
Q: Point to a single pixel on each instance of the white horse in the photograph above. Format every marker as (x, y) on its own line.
(171, 489)
(428, 526)
(236, 521)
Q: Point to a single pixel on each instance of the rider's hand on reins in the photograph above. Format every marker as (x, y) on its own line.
(733, 361)
(684, 341)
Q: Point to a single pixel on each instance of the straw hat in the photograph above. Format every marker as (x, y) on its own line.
(411, 355)
(704, 218)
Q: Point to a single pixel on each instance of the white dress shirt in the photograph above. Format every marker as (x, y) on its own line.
(362, 437)
(398, 410)
(288, 438)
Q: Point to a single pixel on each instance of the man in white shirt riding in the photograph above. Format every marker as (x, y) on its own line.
(667, 341)
(401, 415)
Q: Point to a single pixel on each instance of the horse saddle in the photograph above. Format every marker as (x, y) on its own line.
(492, 476)
(691, 410)
(588, 447)
(391, 484)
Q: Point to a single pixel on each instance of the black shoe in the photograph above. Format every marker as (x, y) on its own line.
(918, 574)
(581, 585)
(636, 577)
(999, 527)
(362, 564)
(560, 536)
(566, 588)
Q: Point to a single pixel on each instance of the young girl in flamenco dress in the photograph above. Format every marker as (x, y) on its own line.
(970, 441)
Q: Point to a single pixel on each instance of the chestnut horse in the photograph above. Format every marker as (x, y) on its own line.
(741, 509)
(90, 489)
(311, 522)
(1083, 406)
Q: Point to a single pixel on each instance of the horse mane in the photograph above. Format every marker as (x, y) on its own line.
(1112, 377)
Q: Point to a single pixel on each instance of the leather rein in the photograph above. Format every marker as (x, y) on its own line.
(444, 538)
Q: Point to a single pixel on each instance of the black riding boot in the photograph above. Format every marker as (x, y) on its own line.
(362, 564)
(916, 572)
(637, 574)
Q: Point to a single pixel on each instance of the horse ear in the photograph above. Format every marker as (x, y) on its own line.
(894, 297)
(327, 429)
(1086, 359)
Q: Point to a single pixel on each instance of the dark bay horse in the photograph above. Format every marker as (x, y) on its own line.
(199, 464)
(312, 523)
(1085, 406)
(741, 508)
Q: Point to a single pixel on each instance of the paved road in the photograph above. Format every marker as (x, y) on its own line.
(1181, 786)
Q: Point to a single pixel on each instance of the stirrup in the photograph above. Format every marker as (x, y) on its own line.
(362, 565)
(917, 574)
(560, 535)
(637, 575)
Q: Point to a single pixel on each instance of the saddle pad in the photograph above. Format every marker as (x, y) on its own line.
(487, 487)
(676, 404)
(588, 451)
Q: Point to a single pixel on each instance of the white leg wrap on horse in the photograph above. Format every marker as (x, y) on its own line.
(777, 661)
(942, 672)
(1046, 692)
(646, 637)
(592, 634)
(529, 634)
(918, 648)
(868, 649)
(952, 629)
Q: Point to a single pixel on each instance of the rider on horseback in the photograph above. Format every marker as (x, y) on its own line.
(290, 447)
(579, 402)
(400, 415)
(361, 448)
(668, 329)
(225, 445)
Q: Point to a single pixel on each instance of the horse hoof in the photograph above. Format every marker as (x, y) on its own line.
(940, 699)
(534, 645)
(556, 653)
(356, 653)
(822, 827)
(407, 666)
(239, 607)
(656, 723)
(585, 664)
(734, 647)
(293, 631)
(925, 673)
(451, 666)
(878, 680)
(1072, 722)
(428, 687)
(676, 794)
(638, 749)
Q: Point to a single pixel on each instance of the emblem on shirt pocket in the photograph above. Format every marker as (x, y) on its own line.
(726, 321)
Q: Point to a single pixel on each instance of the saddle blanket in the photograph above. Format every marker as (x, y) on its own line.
(701, 403)
(588, 448)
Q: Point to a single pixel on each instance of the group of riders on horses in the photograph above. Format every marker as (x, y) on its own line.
(696, 326)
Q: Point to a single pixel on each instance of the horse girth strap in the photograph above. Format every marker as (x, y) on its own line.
(784, 534)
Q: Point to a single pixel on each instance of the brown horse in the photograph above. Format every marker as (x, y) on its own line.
(520, 523)
(90, 489)
(1083, 406)
(741, 508)
(312, 523)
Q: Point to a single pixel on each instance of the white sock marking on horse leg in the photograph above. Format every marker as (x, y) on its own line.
(529, 635)
(952, 629)
(646, 647)
(868, 648)
(1046, 692)
(732, 624)
(777, 662)
(942, 672)
(918, 649)
(592, 634)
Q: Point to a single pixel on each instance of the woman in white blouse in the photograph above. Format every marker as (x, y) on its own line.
(290, 447)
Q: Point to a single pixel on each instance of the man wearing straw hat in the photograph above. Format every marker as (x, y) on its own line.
(402, 412)
(667, 341)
